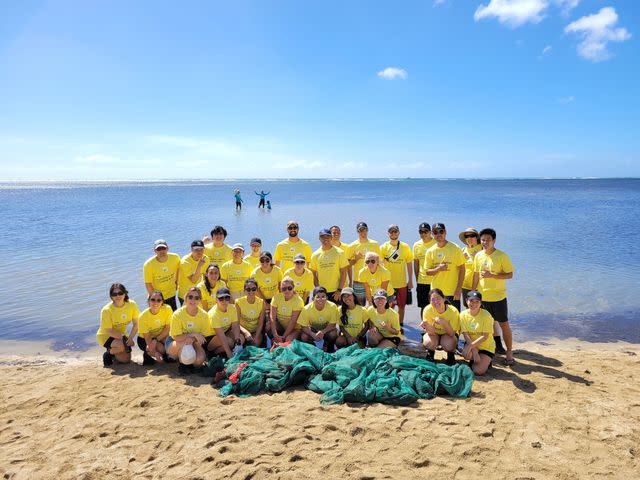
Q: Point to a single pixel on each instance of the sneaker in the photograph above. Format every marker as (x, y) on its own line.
(147, 359)
(107, 359)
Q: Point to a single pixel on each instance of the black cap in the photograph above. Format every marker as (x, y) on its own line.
(197, 244)
(255, 240)
(223, 292)
(361, 225)
(424, 226)
(438, 226)
(474, 295)
(299, 258)
(325, 232)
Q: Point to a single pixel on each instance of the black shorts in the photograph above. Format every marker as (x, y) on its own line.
(487, 353)
(331, 299)
(207, 340)
(498, 310)
(422, 292)
(171, 301)
(455, 303)
(142, 343)
(108, 343)
(395, 340)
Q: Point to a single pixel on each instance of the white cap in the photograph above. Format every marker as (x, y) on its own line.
(188, 355)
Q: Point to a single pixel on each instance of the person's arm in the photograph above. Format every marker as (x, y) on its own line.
(197, 275)
(237, 334)
(384, 284)
(474, 283)
(163, 334)
(498, 276)
(292, 323)
(133, 333)
(458, 292)
(151, 347)
(444, 323)
(223, 340)
(305, 297)
(410, 275)
(149, 287)
(273, 319)
(260, 326)
(343, 277)
(315, 277)
(367, 293)
(416, 268)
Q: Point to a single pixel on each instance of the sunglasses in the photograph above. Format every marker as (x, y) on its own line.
(160, 248)
(438, 231)
(394, 231)
(424, 231)
(470, 235)
(320, 297)
(300, 262)
(226, 298)
(265, 261)
(155, 300)
(117, 294)
(292, 228)
(369, 261)
(287, 289)
(193, 297)
(250, 289)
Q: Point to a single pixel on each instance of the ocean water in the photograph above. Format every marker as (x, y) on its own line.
(573, 242)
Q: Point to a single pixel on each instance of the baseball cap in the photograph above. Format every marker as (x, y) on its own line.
(299, 258)
(424, 226)
(347, 291)
(474, 295)
(380, 294)
(197, 244)
(222, 292)
(393, 226)
(255, 241)
(361, 225)
(237, 246)
(438, 226)
(160, 243)
(325, 232)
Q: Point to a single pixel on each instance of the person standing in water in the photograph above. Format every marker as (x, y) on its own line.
(238, 198)
(262, 196)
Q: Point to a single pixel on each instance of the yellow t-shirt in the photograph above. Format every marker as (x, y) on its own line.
(492, 289)
(396, 260)
(254, 261)
(188, 267)
(375, 279)
(182, 322)
(218, 255)
(162, 275)
(469, 255)
(358, 247)
(234, 274)
(303, 283)
(250, 312)
(116, 318)
(154, 324)
(476, 326)
(390, 317)
(327, 264)
(286, 250)
(285, 308)
(419, 249)
(450, 314)
(356, 319)
(310, 316)
(451, 254)
(210, 298)
(268, 283)
(223, 320)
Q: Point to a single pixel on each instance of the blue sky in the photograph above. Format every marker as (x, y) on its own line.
(106, 90)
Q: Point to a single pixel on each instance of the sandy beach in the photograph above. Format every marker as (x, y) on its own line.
(565, 410)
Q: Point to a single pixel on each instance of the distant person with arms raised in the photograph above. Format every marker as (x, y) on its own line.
(161, 273)
(445, 263)
(218, 251)
(329, 265)
(238, 198)
(398, 259)
(357, 250)
(492, 267)
(290, 246)
(262, 196)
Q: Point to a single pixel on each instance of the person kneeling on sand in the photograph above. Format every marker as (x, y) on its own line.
(114, 319)
(189, 326)
(442, 324)
(153, 328)
(251, 314)
(318, 320)
(353, 320)
(476, 324)
(285, 310)
(384, 323)
(224, 324)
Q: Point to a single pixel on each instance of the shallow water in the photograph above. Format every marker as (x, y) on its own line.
(572, 242)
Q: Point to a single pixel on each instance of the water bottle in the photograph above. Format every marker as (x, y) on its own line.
(461, 343)
(237, 348)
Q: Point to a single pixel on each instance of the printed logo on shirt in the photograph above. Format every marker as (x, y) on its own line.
(291, 249)
(157, 321)
(124, 315)
(237, 272)
(165, 269)
(267, 280)
(252, 312)
(473, 325)
(439, 254)
(190, 324)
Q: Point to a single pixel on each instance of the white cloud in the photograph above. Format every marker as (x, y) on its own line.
(566, 100)
(97, 159)
(391, 73)
(299, 164)
(566, 5)
(546, 49)
(596, 31)
(513, 12)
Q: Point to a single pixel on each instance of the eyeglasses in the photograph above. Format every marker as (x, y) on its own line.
(155, 300)
(292, 228)
(226, 298)
(320, 296)
(193, 297)
(438, 231)
(299, 261)
(369, 261)
(117, 294)
(423, 231)
(470, 235)
(250, 289)
(287, 289)
(394, 231)
(266, 260)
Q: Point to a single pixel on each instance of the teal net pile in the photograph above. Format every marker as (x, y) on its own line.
(350, 375)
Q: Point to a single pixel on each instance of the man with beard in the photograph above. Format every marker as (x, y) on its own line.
(290, 247)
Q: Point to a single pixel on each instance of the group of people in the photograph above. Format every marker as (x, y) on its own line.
(340, 294)
(262, 203)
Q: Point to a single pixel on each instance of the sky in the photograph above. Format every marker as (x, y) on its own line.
(115, 90)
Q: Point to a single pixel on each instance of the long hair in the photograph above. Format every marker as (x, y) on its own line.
(343, 309)
(207, 283)
(119, 287)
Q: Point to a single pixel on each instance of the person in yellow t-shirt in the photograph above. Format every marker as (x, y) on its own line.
(384, 324)
(442, 324)
(285, 310)
(235, 272)
(329, 265)
(189, 326)
(256, 250)
(161, 273)
(353, 320)
(218, 251)
(491, 268)
(398, 259)
(223, 318)
(153, 329)
(375, 276)
(302, 277)
(319, 319)
(357, 250)
(470, 238)
(251, 313)
(445, 263)
(192, 268)
(336, 241)
(290, 246)
(209, 286)
(114, 319)
(476, 324)
(268, 276)
(423, 280)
